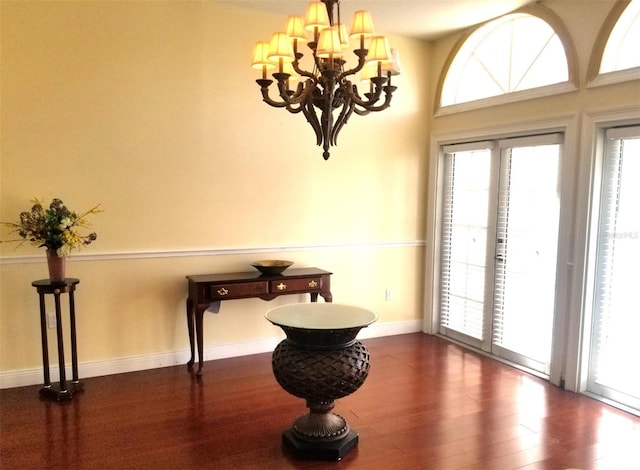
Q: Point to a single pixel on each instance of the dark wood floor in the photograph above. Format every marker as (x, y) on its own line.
(427, 404)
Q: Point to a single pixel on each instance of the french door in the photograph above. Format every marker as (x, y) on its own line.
(500, 214)
(613, 370)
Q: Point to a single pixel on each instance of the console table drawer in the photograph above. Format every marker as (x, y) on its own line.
(207, 288)
(296, 285)
(238, 290)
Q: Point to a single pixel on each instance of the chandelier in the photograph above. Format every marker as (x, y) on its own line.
(326, 95)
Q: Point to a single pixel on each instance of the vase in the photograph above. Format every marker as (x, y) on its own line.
(320, 361)
(56, 266)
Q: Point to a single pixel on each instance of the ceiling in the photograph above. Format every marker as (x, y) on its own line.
(425, 19)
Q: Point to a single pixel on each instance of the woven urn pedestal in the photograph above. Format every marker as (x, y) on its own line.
(320, 361)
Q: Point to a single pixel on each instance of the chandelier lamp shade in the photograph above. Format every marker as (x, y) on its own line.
(326, 93)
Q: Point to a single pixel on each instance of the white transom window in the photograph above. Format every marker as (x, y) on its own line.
(514, 53)
(621, 51)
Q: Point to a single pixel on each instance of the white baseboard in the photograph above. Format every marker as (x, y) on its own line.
(25, 377)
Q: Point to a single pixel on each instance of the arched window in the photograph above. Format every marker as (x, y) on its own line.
(616, 56)
(514, 53)
(621, 51)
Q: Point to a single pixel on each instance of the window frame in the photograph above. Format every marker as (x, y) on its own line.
(589, 184)
(612, 166)
(566, 273)
(594, 77)
(541, 12)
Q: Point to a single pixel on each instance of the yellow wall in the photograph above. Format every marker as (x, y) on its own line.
(151, 109)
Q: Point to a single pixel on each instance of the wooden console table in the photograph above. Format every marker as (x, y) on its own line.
(207, 288)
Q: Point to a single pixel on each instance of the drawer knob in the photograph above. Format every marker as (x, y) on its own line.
(281, 286)
(223, 291)
(313, 284)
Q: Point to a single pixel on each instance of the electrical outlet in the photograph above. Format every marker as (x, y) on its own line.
(388, 294)
(51, 320)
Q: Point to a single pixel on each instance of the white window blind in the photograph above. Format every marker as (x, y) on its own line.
(465, 214)
(500, 217)
(527, 228)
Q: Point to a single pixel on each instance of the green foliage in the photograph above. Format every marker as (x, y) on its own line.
(56, 227)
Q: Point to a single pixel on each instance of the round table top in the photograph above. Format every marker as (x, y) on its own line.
(69, 281)
(320, 316)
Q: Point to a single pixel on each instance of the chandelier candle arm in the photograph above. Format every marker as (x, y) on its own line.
(295, 30)
(297, 97)
(327, 88)
(387, 102)
(362, 61)
(264, 88)
(278, 104)
(301, 72)
(373, 97)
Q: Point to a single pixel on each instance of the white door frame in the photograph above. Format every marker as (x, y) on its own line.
(587, 206)
(566, 274)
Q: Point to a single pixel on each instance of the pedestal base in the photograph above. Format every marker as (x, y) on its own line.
(333, 450)
(53, 391)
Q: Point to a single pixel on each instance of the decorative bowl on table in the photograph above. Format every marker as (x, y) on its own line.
(271, 267)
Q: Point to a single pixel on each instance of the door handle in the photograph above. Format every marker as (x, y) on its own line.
(500, 249)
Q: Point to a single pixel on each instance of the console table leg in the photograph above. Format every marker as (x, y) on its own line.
(199, 335)
(190, 314)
